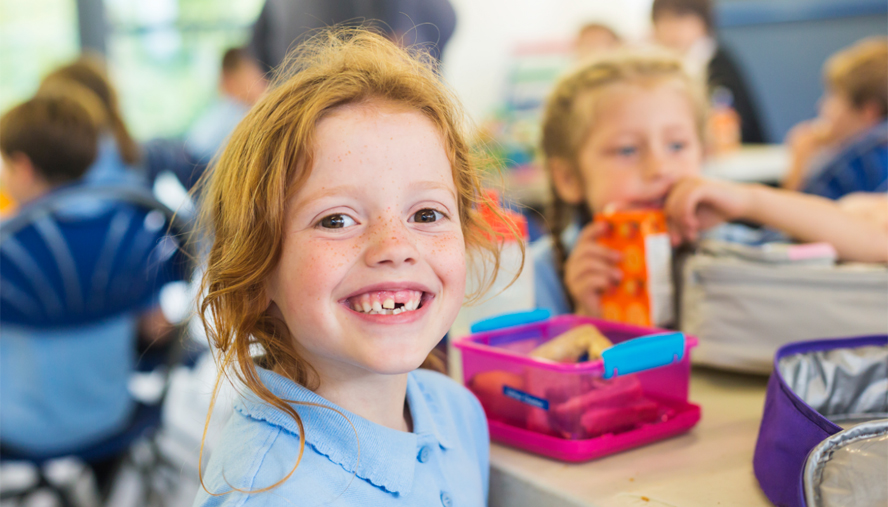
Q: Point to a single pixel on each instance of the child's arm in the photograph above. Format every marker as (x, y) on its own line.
(696, 204)
(867, 205)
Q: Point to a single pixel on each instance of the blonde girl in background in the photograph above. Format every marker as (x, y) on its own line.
(341, 214)
(618, 133)
(626, 132)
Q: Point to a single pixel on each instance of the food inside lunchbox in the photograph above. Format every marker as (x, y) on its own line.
(580, 410)
(572, 345)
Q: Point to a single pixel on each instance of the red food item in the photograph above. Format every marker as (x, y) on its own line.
(604, 393)
(599, 421)
(488, 387)
(567, 417)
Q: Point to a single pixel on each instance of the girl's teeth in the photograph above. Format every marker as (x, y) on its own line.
(367, 304)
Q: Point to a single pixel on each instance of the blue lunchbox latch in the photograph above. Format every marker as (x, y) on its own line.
(510, 320)
(643, 353)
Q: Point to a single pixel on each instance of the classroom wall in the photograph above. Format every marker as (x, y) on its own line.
(476, 59)
(781, 44)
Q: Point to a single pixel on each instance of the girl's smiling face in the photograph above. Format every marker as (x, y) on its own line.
(374, 226)
(643, 140)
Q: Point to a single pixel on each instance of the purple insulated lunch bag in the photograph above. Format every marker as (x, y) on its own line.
(823, 441)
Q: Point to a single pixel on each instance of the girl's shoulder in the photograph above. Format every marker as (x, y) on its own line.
(254, 454)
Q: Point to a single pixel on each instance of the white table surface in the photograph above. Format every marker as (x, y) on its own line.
(710, 466)
(752, 163)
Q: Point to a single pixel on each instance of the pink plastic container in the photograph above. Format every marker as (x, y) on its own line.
(636, 394)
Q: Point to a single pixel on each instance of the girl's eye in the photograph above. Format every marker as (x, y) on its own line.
(627, 151)
(337, 221)
(427, 216)
(677, 146)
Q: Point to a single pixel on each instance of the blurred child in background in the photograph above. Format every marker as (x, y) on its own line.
(241, 84)
(688, 27)
(594, 38)
(117, 161)
(626, 132)
(617, 132)
(46, 143)
(845, 149)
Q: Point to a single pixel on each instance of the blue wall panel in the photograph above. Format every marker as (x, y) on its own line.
(782, 46)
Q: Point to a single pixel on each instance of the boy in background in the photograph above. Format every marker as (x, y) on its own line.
(241, 83)
(688, 27)
(45, 143)
(845, 149)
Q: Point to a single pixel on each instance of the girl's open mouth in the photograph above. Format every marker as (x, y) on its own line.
(387, 302)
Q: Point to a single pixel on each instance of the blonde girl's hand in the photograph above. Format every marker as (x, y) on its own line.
(590, 269)
(695, 204)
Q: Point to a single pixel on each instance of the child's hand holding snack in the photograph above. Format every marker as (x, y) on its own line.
(590, 269)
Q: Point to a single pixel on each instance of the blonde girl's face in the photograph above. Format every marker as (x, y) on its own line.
(372, 272)
(643, 140)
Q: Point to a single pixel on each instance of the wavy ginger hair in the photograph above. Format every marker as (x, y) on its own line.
(267, 158)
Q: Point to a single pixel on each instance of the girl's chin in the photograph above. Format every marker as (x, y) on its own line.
(394, 362)
(395, 367)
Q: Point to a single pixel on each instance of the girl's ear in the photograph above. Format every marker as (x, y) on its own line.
(567, 182)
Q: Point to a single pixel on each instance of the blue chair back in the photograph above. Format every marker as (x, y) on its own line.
(76, 270)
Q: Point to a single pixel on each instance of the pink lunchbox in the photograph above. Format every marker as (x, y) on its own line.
(636, 394)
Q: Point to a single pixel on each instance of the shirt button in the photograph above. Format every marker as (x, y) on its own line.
(424, 454)
(445, 500)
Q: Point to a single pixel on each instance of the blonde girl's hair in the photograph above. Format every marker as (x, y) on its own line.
(268, 157)
(89, 71)
(571, 114)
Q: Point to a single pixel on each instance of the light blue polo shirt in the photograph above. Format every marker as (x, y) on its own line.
(445, 461)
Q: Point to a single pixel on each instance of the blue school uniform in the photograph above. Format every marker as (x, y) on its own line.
(109, 167)
(861, 166)
(444, 461)
(547, 285)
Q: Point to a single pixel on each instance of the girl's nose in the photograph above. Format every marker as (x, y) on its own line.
(390, 244)
(656, 165)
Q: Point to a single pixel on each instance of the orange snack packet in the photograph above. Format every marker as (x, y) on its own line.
(645, 294)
